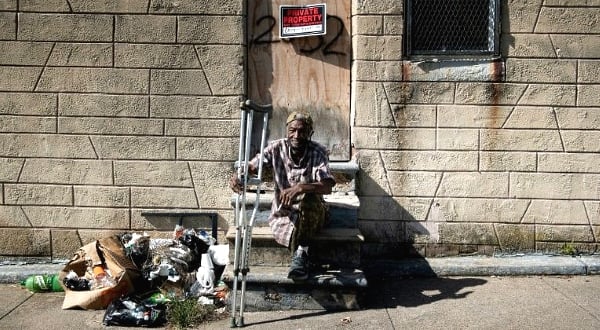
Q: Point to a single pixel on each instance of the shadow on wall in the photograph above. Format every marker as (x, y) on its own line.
(393, 253)
(397, 237)
(393, 227)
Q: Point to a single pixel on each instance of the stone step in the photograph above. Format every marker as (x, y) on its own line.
(348, 168)
(268, 288)
(343, 208)
(337, 247)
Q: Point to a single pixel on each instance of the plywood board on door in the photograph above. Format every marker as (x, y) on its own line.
(303, 74)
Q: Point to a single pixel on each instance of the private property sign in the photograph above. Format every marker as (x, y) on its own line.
(302, 21)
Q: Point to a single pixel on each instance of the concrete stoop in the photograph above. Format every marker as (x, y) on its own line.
(268, 289)
(336, 247)
(336, 283)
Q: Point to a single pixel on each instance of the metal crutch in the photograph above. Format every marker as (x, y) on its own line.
(243, 233)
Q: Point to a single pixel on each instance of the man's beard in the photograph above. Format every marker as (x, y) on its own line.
(297, 147)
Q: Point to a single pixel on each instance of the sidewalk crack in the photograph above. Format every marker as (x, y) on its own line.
(17, 306)
(590, 312)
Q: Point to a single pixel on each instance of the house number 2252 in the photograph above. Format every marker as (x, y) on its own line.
(325, 43)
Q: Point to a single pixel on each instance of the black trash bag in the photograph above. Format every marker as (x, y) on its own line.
(138, 251)
(197, 247)
(73, 282)
(131, 311)
(80, 284)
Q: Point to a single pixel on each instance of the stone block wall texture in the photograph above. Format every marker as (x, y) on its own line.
(113, 109)
(483, 156)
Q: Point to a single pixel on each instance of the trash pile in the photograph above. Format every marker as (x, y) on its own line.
(134, 276)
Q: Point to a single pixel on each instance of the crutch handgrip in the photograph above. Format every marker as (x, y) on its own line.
(249, 104)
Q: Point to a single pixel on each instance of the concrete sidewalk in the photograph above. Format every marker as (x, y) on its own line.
(533, 302)
(470, 293)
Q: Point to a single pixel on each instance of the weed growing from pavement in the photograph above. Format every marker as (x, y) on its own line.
(186, 313)
(569, 249)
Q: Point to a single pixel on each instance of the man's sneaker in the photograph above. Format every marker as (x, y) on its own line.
(299, 267)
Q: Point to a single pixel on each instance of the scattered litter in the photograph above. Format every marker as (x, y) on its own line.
(346, 320)
(135, 277)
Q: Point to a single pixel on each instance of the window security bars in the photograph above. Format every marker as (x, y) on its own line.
(452, 28)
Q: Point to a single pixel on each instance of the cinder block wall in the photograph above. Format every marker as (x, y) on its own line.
(112, 108)
(480, 157)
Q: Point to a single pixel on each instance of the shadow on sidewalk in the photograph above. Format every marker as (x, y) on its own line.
(410, 284)
(413, 292)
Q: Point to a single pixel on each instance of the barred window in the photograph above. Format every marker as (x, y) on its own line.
(453, 28)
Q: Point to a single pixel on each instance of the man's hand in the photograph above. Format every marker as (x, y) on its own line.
(286, 197)
(236, 184)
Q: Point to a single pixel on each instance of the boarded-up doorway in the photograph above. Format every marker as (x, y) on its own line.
(308, 73)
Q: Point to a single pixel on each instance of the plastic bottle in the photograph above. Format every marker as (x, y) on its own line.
(178, 232)
(101, 278)
(42, 283)
(156, 298)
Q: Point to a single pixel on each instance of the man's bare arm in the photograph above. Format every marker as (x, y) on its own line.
(321, 187)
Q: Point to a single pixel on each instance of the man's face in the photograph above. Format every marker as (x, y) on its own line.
(298, 134)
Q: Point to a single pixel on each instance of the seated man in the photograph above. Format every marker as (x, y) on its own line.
(302, 176)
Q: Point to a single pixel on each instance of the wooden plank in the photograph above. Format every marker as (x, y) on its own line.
(310, 73)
